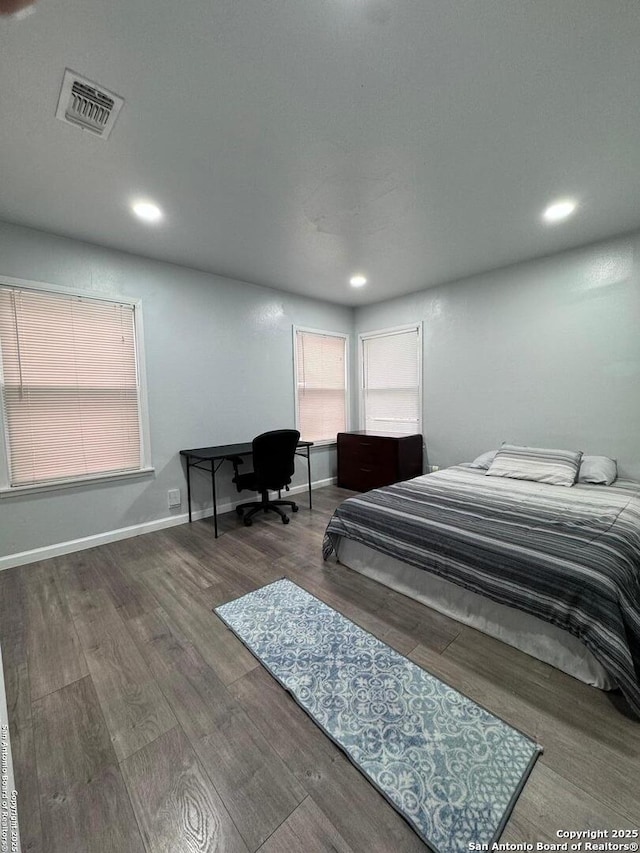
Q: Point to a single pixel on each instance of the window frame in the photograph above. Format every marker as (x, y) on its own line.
(347, 399)
(146, 467)
(380, 333)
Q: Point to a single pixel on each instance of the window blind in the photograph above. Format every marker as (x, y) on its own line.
(391, 381)
(70, 386)
(321, 409)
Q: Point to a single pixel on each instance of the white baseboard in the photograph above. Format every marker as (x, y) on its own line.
(32, 556)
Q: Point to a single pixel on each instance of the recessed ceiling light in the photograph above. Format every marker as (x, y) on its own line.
(147, 210)
(357, 281)
(559, 210)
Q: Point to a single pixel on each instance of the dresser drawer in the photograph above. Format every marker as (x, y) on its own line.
(372, 453)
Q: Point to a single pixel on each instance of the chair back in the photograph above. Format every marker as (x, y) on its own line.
(273, 457)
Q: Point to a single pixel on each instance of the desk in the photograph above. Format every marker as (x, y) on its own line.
(211, 458)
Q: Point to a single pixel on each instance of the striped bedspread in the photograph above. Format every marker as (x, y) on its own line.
(570, 556)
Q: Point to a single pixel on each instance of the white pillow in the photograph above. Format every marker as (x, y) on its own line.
(600, 470)
(484, 460)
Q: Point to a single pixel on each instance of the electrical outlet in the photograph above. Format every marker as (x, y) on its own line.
(174, 498)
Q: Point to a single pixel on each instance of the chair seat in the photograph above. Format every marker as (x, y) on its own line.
(246, 481)
(249, 482)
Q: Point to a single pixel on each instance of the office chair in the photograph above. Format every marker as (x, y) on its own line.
(273, 466)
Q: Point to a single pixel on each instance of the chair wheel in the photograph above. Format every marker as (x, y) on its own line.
(294, 508)
(285, 519)
(248, 522)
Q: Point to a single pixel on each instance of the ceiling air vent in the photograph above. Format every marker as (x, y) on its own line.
(87, 105)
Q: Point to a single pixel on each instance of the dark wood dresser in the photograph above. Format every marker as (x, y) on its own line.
(368, 460)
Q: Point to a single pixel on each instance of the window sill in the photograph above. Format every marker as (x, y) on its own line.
(15, 491)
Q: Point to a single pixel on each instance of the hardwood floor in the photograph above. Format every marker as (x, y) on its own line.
(140, 723)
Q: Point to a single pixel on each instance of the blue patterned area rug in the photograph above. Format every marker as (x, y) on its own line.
(449, 767)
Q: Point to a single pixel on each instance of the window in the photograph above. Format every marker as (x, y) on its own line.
(70, 389)
(321, 384)
(391, 380)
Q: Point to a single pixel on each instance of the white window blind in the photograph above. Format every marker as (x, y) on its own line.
(391, 398)
(321, 387)
(70, 386)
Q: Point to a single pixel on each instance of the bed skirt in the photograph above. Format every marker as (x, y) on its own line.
(525, 632)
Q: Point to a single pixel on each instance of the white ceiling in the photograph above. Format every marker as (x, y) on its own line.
(293, 143)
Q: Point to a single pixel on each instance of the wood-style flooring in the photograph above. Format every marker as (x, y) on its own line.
(140, 723)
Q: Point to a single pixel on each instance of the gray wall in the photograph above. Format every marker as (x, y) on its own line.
(219, 369)
(545, 353)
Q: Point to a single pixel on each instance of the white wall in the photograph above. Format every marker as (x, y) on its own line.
(219, 370)
(545, 353)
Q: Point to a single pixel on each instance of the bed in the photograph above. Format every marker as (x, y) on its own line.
(553, 571)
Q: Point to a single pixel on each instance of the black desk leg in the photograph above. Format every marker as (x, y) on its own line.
(309, 474)
(213, 492)
(189, 487)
